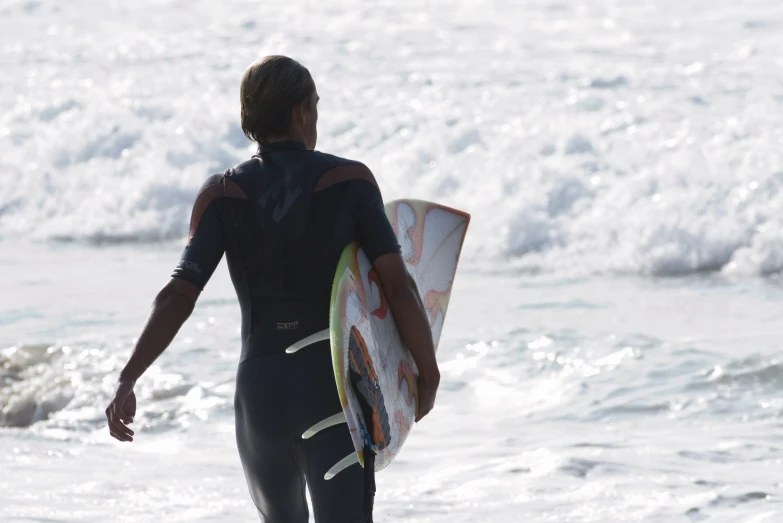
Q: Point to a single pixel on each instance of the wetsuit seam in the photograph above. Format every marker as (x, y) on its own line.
(268, 519)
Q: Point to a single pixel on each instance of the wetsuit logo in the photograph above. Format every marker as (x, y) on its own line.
(287, 326)
(289, 196)
(365, 382)
(191, 266)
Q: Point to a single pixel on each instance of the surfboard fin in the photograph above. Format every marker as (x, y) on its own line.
(331, 421)
(347, 461)
(314, 338)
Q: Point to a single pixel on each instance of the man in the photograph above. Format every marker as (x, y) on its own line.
(283, 218)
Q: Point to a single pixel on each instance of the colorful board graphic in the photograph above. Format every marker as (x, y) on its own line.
(375, 374)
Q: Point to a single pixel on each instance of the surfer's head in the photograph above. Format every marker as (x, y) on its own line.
(279, 101)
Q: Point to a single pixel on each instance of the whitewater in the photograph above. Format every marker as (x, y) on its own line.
(612, 350)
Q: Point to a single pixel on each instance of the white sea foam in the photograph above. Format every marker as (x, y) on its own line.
(584, 138)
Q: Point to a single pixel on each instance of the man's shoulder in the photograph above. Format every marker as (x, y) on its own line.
(227, 183)
(342, 170)
(248, 166)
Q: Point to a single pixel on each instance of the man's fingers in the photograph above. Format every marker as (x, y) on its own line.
(117, 427)
(120, 437)
(120, 430)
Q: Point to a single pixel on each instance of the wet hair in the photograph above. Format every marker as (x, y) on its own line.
(270, 89)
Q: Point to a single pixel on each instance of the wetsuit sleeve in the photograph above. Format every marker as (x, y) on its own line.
(373, 230)
(207, 236)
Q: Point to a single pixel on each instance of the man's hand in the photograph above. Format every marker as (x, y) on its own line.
(428, 388)
(121, 411)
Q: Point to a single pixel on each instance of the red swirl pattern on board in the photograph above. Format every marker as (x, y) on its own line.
(402, 422)
(406, 373)
(383, 309)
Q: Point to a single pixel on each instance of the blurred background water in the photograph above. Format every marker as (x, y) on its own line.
(611, 351)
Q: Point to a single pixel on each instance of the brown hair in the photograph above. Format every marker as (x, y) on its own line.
(270, 89)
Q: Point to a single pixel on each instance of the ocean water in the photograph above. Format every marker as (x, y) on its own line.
(611, 352)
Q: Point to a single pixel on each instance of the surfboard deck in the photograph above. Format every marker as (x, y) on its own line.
(375, 374)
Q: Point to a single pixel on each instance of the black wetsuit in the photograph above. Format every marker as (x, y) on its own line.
(283, 219)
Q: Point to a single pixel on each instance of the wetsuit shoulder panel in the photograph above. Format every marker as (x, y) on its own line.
(216, 187)
(373, 230)
(344, 173)
(207, 235)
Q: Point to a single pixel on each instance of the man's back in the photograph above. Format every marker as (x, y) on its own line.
(283, 218)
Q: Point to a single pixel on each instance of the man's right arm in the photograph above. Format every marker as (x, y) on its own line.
(377, 238)
(406, 306)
